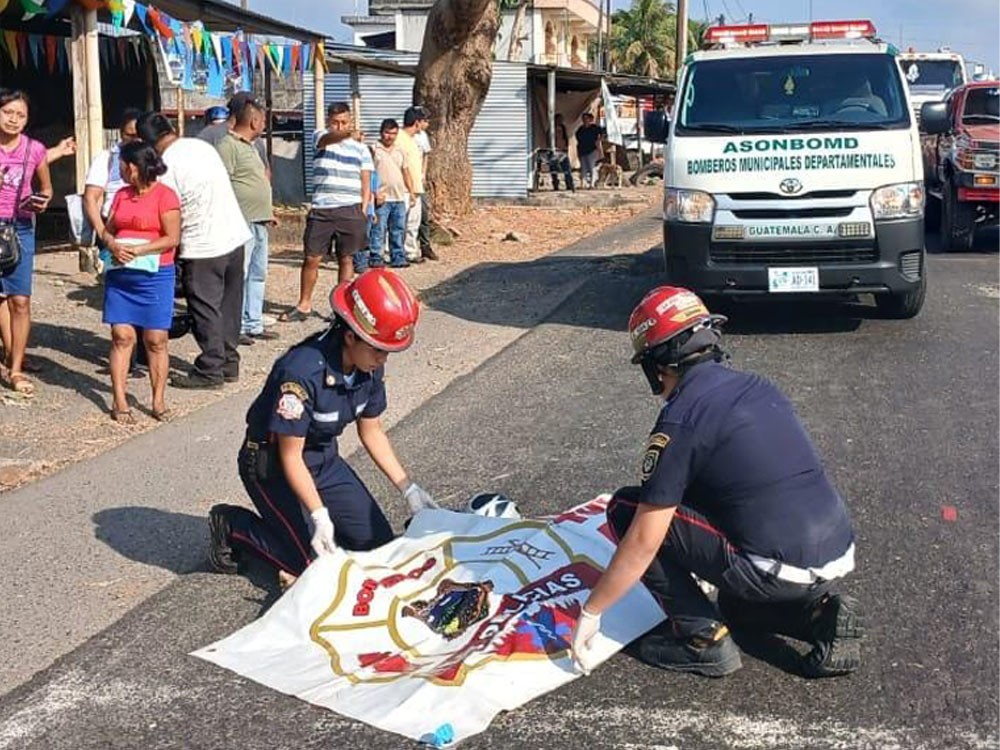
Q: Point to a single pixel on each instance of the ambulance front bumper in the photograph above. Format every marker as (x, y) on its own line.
(891, 262)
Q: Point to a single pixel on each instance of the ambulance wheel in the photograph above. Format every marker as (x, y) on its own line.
(903, 306)
(958, 222)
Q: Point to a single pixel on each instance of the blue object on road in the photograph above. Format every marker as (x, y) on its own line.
(443, 736)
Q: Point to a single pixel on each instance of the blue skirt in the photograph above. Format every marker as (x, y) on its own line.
(138, 298)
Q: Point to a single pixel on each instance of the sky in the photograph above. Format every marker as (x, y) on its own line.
(970, 27)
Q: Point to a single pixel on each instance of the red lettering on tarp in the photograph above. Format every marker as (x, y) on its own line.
(581, 513)
(383, 661)
(367, 591)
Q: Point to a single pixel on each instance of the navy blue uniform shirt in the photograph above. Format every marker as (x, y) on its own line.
(306, 395)
(729, 445)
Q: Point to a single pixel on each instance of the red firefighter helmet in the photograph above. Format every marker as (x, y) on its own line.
(379, 307)
(664, 313)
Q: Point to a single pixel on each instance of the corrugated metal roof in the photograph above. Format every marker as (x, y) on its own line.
(498, 143)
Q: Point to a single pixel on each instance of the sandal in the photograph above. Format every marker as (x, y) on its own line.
(166, 415)
(21, 384)
(295, 315)
(125, 416)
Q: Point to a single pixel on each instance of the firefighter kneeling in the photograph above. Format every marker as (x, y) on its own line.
(733, 492)
(309, 500)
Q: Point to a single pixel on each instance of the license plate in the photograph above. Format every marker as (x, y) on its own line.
(796, 231)
(793, 279)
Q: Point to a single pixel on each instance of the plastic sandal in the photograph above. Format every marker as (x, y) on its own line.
(125, 416)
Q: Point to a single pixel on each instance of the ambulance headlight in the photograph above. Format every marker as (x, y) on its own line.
(690, 206)
(902, 201)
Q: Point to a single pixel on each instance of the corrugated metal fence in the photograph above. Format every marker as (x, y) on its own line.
(498, 143)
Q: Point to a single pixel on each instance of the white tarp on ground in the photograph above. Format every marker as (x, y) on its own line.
(458, 619)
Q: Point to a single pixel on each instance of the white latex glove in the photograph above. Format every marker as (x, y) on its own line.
(418, 498)
(587, 627)
(322, 538)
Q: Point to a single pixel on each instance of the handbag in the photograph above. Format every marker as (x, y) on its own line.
(10, 244)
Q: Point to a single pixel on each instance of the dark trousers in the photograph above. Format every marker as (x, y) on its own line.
(694, 545)
(214, 290)
(424, 233)
(281, 535)
(559, 162)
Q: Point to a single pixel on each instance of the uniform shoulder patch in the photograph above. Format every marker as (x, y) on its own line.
(296, 389)
(651, 456)
(290, 407)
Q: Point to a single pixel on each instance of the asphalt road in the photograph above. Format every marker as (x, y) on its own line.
(904, 412)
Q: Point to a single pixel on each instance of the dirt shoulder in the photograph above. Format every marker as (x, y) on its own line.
(67, 420)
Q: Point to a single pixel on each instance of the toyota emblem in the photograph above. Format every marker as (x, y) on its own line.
(790, 186)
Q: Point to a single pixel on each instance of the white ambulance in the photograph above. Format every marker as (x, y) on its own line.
(793, 167)
(931, 75)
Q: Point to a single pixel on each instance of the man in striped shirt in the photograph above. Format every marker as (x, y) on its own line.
(337, 219)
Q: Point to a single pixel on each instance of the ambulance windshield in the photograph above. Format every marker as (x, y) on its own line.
(937, 74)
(793, 94)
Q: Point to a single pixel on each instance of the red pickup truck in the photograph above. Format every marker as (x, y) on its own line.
(961, 160)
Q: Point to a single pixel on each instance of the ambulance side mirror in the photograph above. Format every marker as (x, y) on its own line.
(656, 126)
(934, 118)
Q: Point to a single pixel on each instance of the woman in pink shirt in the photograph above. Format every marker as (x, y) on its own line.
(22, 160)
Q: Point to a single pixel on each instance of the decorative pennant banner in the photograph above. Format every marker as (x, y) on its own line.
(51, 53)
(10, 37)
(226, 44)
(140, 12)
(51, 7)
(459, 619)
(22, 48)
(36, 46)
(321, 55)
(31, 9)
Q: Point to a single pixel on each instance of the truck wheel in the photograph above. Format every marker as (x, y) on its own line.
(932, 214)
(906, 305)
(958, 222)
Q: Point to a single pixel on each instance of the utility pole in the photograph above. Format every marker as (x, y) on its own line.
(600, 37)
(680, 46)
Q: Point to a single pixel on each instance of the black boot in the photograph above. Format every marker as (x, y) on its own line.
(712, 653)
(793, 619)
(837, 629)
(221, 555)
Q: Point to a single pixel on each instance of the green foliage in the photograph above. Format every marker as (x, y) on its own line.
(643, 38)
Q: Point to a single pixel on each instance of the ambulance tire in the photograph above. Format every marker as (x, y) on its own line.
(906, 305)
(958, 222)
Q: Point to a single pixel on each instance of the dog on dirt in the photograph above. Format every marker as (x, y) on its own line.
(609, 175)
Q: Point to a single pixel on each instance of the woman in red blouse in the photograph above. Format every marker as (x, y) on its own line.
(141, 236)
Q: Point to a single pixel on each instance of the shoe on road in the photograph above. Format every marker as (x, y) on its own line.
(428, 252)
(223, 558)
(196, 381)
(712, 654)
(837, 631)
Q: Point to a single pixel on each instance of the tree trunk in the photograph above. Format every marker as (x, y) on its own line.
(453, 77)
(516, 36)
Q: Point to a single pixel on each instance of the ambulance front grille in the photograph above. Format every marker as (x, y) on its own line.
(814, 195)
(813, 212)
(789, 254)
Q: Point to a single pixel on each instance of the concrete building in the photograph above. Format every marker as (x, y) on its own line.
(554, 32)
